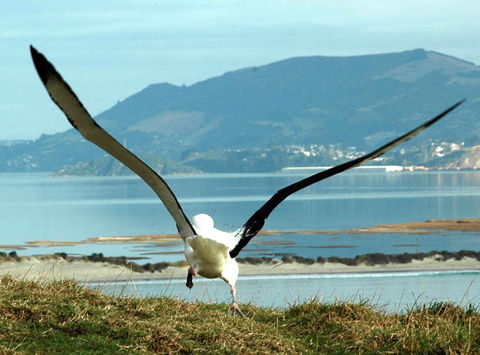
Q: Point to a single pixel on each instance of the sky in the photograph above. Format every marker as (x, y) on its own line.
(108, 50)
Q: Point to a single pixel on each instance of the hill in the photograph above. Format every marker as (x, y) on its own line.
(359, 101)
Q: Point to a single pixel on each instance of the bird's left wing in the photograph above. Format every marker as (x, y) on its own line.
(255, 223)
(81, 120)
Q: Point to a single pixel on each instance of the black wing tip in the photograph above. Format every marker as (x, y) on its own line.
(443, 114)
(33, 50)
(456, 105)
(453, 107)
(46, 71)
(42, 65)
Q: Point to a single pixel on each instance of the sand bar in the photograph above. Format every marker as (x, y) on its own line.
(425, 227)
(87, 271)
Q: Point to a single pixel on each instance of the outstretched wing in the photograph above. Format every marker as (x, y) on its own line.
(255, 222)
(81, 120)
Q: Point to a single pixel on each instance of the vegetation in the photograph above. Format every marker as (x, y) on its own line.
(367, 259)
(66, 317)
(108, 166)
(435, 155)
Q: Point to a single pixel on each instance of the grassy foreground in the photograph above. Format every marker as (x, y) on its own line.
(66, 317)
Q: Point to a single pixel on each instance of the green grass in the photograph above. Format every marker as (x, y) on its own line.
(66, 317)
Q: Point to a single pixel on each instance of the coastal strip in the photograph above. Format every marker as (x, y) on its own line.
(97, 268)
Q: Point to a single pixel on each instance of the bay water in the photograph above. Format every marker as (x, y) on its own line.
(37, 207)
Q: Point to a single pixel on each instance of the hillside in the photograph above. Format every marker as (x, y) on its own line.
(359, 101)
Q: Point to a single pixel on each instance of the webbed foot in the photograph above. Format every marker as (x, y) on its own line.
(235, 310)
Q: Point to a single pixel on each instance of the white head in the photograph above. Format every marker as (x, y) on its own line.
(202, 221)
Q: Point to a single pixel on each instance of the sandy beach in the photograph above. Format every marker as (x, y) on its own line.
(57, 268)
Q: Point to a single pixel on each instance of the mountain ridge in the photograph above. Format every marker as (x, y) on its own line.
(359, 101)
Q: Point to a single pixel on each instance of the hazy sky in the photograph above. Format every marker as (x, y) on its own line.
(108, 50)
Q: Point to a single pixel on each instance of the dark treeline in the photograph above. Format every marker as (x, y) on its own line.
(367, 259)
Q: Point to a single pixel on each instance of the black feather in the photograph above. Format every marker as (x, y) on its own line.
(255, 223)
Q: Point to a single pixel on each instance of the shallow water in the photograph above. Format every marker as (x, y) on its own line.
(38, 207)
(394, 292)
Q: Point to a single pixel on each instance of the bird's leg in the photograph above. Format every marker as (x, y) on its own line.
(191, 272)
(235, 309)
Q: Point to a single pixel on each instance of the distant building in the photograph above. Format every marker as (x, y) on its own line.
(360, 169)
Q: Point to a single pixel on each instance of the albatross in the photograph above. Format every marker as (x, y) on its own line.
(209, 251)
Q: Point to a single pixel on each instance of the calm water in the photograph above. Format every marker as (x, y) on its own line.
(394, 292)
(37, 207)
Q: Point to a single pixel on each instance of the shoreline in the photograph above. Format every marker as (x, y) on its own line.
(58, 268)
(97, 268)
(165, 239)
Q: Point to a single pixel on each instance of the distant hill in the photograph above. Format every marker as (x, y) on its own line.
(360, 101)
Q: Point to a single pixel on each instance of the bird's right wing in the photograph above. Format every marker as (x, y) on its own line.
(256, 221)
(83, 122)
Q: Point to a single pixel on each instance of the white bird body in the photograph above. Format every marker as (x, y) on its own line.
(208, 251)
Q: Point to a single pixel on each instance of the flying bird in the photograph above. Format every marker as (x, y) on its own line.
(209, 251)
